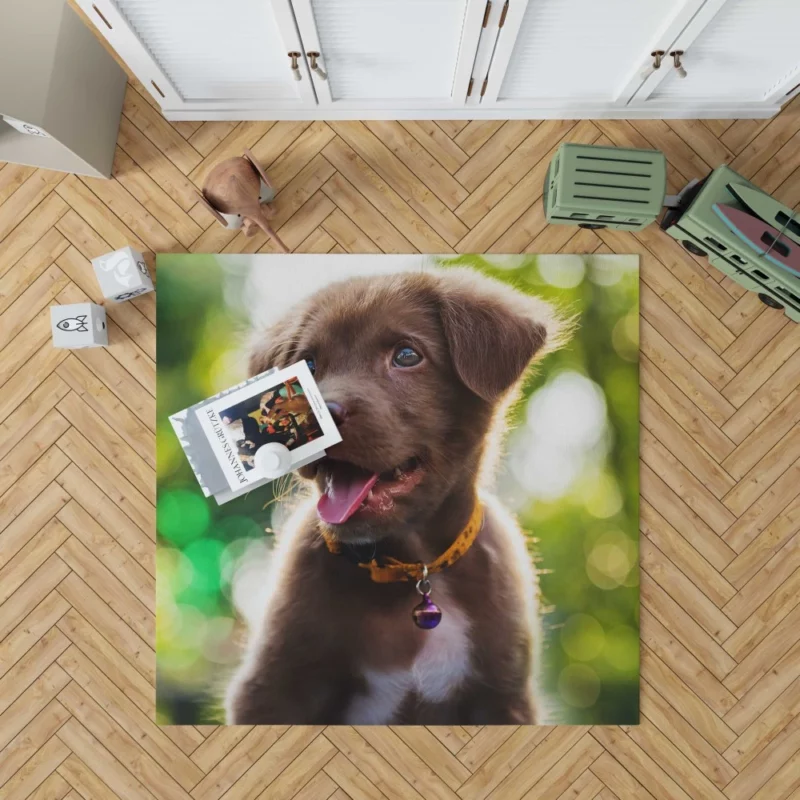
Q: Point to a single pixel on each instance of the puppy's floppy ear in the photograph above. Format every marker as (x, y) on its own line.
(493, 331)
(275, 347)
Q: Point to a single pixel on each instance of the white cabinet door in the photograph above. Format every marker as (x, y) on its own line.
(738, 51)
(391, 54)
(208, 54)
(578, 53)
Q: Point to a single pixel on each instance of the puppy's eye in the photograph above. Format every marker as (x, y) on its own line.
(312, 365)
(406, 357)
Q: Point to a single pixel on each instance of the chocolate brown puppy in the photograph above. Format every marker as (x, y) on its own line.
(418, 370)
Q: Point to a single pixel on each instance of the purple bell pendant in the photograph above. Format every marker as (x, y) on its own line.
(427, 615)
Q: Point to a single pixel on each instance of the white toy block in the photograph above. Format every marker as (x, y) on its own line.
(122, 274)
(79, 325)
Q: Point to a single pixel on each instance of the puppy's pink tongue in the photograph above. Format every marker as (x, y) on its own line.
(346, 489)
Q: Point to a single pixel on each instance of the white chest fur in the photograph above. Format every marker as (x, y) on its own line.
(438, 669)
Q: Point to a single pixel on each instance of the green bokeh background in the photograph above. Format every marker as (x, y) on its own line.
(585, 537)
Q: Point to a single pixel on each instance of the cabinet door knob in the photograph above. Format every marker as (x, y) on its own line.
(658, 56)
(676, 59)
(295, 67)
(313, 56)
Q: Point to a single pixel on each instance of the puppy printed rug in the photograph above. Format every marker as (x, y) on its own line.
(468, 553)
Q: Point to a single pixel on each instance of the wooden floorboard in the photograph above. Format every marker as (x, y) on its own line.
(720, 456)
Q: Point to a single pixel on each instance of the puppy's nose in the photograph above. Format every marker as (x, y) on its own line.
(338, 411)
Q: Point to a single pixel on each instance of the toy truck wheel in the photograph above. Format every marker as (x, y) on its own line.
(592, 226)
(769, 301)
(693, 248)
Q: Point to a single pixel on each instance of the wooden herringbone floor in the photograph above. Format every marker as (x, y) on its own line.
(720, 471)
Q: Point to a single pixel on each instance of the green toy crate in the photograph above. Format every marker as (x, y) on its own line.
(605, 187)
(698, 228)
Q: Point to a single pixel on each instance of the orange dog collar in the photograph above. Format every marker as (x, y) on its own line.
(392, 570)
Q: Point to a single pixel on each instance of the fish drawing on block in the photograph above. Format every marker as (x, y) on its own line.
(763, 238)
(74, 324)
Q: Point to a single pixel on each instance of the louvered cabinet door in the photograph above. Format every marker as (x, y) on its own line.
(208, 55)
(736, 51)
(557, 54)
(390, 54)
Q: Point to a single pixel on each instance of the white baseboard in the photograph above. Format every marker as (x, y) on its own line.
(704, 111)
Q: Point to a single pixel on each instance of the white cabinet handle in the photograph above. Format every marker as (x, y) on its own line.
(657, 55)
(294, 65)
(676, 58)
(313, 56)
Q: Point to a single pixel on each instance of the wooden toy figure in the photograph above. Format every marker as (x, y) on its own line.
(236, 192)
(78, 325)
(122, 274)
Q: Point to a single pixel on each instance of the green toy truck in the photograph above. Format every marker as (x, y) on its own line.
(612, 187)
(701, 231)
